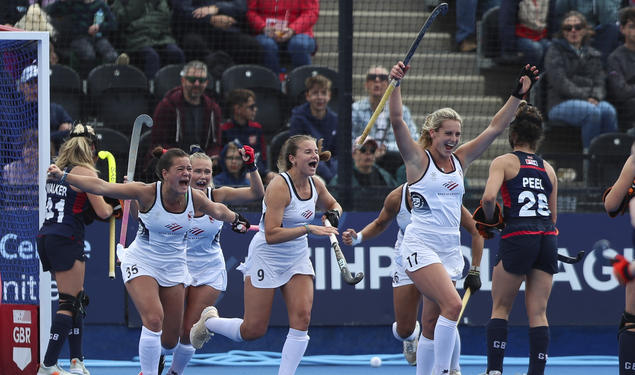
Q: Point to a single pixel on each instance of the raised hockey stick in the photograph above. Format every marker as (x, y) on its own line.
(466, 297)
(132, 162)
(112, 178)
(440, 9)
(348, 277)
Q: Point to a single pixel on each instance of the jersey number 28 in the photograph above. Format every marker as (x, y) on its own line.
(533, 205)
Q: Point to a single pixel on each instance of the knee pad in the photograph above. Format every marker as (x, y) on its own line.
(627, 322)
(74, 304)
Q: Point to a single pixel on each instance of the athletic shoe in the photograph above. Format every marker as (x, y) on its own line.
(199, 334)
(161, 364)
(410, 350)
(455, 372)
(77, 367)
(53, 370)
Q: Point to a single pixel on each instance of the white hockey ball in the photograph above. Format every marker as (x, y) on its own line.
(375, 362)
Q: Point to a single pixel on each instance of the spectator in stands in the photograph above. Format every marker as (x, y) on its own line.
(525, 27)
(204, 27)
(187, 115)
(376, 84)
(24, 170)
(365, 172)
(576, 81)
(242, 128)
(234, 173)
(89, 22)
(11, 11)
(146, 37)
(284, 25)
(621, 71)
(61, 121)
(466, 14)
(601, 15)
(316, 119)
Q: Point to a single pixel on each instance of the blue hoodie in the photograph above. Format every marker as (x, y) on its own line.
(303, 122)
(227, 179)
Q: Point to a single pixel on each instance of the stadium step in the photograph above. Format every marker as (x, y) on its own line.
(369, 41)
(361, 5)
(408, 20)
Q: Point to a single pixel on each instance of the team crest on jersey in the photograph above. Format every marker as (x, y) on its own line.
(174, 227)
(531, 161)
(196, 231)
(418, 201)
(307, 214)
(450, 185)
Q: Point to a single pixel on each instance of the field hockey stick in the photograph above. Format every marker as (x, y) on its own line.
(440, 9)
(348, 277)
(112, 178)
(466, 297)
(132, 162)
(599, 245)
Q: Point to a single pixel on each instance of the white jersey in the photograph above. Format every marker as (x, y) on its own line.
(205, 261)
(159, 248)
(272, 265)
(436, 218)
(399, 276)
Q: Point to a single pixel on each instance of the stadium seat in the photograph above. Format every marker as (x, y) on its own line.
(274, 147)
(119, 145)
(66, 90)
(272, 111)
(118, 93)
(607, 154)
(487, 41)
(295, 84)
(169, 77)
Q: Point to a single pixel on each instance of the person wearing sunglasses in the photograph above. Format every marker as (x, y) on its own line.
(242, 128)
(366, 173)
(187, 115)
(621, 75)
(376, 82)
(576, 82)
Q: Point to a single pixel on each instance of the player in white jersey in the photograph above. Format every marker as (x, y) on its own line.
(279, 254)
(154, 266)
(434, 171)
(406, 297)
(205, 261)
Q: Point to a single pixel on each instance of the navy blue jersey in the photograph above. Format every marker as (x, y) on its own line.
(526, 196)
(65, 210)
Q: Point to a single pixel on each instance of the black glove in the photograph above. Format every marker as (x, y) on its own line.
(486, 228)
(519, 86)
(333, 216)
(473, 280)
(240, 224)
(117, 207)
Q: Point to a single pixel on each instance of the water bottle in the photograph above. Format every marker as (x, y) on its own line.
(98, 20)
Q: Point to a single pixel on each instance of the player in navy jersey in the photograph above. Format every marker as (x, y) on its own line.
(154, 266)
(205, 261)
(279, 253)
(528, 247)
(618, 200)
(60, 244)
(431, 244)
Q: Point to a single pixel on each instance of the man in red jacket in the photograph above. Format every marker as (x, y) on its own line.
(187, 116)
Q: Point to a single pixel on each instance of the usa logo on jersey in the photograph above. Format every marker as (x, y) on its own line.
(307, 214)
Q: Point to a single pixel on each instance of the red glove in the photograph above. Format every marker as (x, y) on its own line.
(620, 269)
(250, 163)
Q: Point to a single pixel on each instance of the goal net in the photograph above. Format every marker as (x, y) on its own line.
(24, 156)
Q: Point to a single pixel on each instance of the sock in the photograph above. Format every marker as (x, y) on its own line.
(75, 337)
(425, 356)
(414, 333)
(228, 327)
(444, 336)
(456, 352)
(292, 351)
(60, 327)
(149, 351)
(165, 351)
(538, 345)
(496, 343)
(181, 358)
(626, 355)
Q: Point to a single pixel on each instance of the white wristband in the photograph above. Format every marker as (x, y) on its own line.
(475, 268)
(357, 240)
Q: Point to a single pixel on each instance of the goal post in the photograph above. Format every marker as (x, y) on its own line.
(23, 200)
